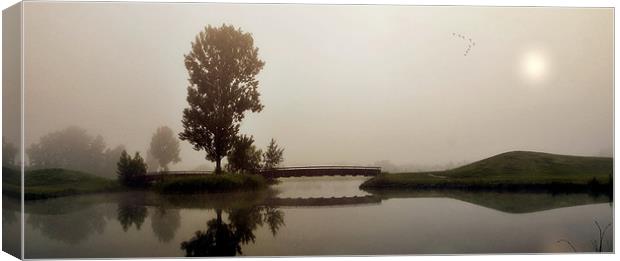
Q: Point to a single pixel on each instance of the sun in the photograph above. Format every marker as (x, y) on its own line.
(534, 66)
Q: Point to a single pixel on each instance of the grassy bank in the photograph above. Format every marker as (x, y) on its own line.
(519, 170)
(215, 183)
(49, 183)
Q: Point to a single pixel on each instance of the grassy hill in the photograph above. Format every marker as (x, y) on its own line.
(512, 171)
(534, 163)
(46, 183)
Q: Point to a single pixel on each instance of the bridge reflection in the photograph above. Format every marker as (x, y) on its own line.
(322, 202)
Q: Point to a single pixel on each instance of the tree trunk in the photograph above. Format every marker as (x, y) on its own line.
(219, 216)
(218, 166)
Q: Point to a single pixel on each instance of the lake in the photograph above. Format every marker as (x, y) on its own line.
(311, 216)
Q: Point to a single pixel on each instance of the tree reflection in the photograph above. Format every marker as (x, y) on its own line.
(165, 223)
(225, 239)
(131, 211)
(9, 217)
(274, 219)
(72, 227)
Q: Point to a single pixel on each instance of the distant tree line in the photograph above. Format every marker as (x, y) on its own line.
(74, 148)
(9, 152)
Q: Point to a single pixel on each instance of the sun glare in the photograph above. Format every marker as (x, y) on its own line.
(534, 66)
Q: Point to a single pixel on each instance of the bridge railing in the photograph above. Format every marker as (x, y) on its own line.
(309, 171)
(179, 173)
(317, 171)
(325, 167)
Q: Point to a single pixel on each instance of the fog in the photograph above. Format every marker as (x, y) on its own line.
(342, 84)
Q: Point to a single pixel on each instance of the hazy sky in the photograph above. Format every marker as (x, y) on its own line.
(341, 84)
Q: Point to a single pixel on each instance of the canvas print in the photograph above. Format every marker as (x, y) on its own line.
(210, 129)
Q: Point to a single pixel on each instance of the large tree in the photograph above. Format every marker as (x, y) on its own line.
(222, 67)
(164, 147)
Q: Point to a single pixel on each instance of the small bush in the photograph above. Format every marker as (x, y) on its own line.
(244, 157)
(273, 156)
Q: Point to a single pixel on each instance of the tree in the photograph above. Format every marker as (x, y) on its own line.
(244, 157)
(110, 157)
(223, 238)
(131, 211)
(131, 171)
(164, 147)
(9, 151)
(222, 67)
(165, 222)
(70, 148)
(74, 148)
(273, 156)
(152, 164)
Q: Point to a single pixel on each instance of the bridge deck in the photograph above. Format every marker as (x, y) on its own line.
(316, 171)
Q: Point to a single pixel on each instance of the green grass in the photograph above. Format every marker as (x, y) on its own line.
(518, 170)
(49, 183)
(214, 183)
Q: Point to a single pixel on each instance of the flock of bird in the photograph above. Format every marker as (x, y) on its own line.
(470, 43)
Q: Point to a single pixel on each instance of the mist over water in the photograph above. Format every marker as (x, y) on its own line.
(341, 85)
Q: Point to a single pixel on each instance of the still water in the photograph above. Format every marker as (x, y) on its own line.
(312, 216)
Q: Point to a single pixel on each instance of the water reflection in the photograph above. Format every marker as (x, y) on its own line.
(521, 202)
(10, 209)
(165, 223)
(131, 211)
(141, 224)
(226, 238)
(11, 226)
(72, 227)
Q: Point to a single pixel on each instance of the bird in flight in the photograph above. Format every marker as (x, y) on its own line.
(468, 40)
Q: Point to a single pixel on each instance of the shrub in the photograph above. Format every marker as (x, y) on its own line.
(131, 171)
(244, 157)
(273, 156)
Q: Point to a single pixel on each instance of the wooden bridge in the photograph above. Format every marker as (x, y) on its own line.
(152, 176)
(317, 171)
(286, 172)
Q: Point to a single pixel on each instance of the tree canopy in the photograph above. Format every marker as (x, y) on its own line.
(222, 66)
(164, 147)
(130, 170)
(273, 156)
(9, 152)
(244, 157)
